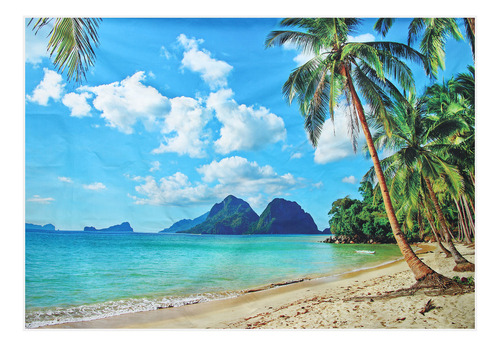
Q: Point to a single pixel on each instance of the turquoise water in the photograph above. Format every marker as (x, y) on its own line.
(73, 276)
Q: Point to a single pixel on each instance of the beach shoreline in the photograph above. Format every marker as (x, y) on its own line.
(319, 303)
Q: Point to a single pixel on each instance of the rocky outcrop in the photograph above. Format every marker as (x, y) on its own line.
(284, 217)
(232, 216)
(343, 239)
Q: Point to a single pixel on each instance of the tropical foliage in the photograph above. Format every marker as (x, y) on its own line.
(71, 43)
(361, 220)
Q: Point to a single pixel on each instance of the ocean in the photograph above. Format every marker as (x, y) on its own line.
(78, 276)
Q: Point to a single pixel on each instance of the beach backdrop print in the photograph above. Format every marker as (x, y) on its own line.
(175, 172)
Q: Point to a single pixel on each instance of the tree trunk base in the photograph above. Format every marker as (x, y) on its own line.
(433, 284)
(465, 267)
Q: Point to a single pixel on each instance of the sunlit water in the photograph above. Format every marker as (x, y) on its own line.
(76, 276)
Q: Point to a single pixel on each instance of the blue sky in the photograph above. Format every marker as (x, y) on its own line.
(175, 115)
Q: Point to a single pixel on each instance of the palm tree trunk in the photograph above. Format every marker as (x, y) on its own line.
(462, 263)
(471, 219)
(438, 239)
(419, 269)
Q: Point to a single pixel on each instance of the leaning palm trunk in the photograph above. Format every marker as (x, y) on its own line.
(462, 263)
(436, 236)
(466, 224)
(419, 269)
(470, 217)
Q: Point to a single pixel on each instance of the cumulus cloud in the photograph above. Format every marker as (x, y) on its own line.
(349, 179)
(335, 142)
(213, 72)
(51, 87)
(65, 179)
(244, 127)
(245, 177)
(78, 104)
(186, 120)
(172, 190)
(125, 103)
(39, 200)
(94, 186)
(234, 175)
(296, 155)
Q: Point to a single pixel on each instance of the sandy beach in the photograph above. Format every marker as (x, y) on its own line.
(325, 303)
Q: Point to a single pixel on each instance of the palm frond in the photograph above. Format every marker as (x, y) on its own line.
(72, 42)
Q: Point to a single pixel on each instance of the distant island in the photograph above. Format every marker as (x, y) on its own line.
(234, 216)
(46, 227)
(231, 216)
(124, 227)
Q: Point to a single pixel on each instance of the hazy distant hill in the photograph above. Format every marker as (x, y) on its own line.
(49, 227)
(232, 216)
(185, 224)
(124, 227)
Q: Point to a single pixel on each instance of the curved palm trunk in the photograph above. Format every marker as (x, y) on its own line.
(462, 263)
(419, 269)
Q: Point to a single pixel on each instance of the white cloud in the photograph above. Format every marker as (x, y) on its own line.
(94, 186)
(237, 175)
(349, 179)
(318, 185)
(51, 86)
(243, 127)
(234, 175)
(172, 190)
(214, 72)
(336, 145)
(297, 155)
(78, 104)
(361, 38)
(65, 179)
(187, 119)
(155, 166)
(39, 200)
(125, 103)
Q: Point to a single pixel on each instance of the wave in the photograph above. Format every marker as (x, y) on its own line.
(58, 315)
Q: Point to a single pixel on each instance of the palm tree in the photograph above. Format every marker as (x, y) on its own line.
(454, 99)
(433, 34)
(72, 41)
(418, 162)
(340, 67)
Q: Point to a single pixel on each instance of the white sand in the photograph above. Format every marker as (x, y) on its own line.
(319, 304)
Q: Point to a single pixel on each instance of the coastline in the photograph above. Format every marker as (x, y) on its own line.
(316, 304)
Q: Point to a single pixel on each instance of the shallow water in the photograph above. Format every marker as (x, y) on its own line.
(74, 276)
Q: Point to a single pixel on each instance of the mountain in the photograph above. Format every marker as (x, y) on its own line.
(48, 227)
(284, 217)
(232, 216)
(124, 227)
(185, 224)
